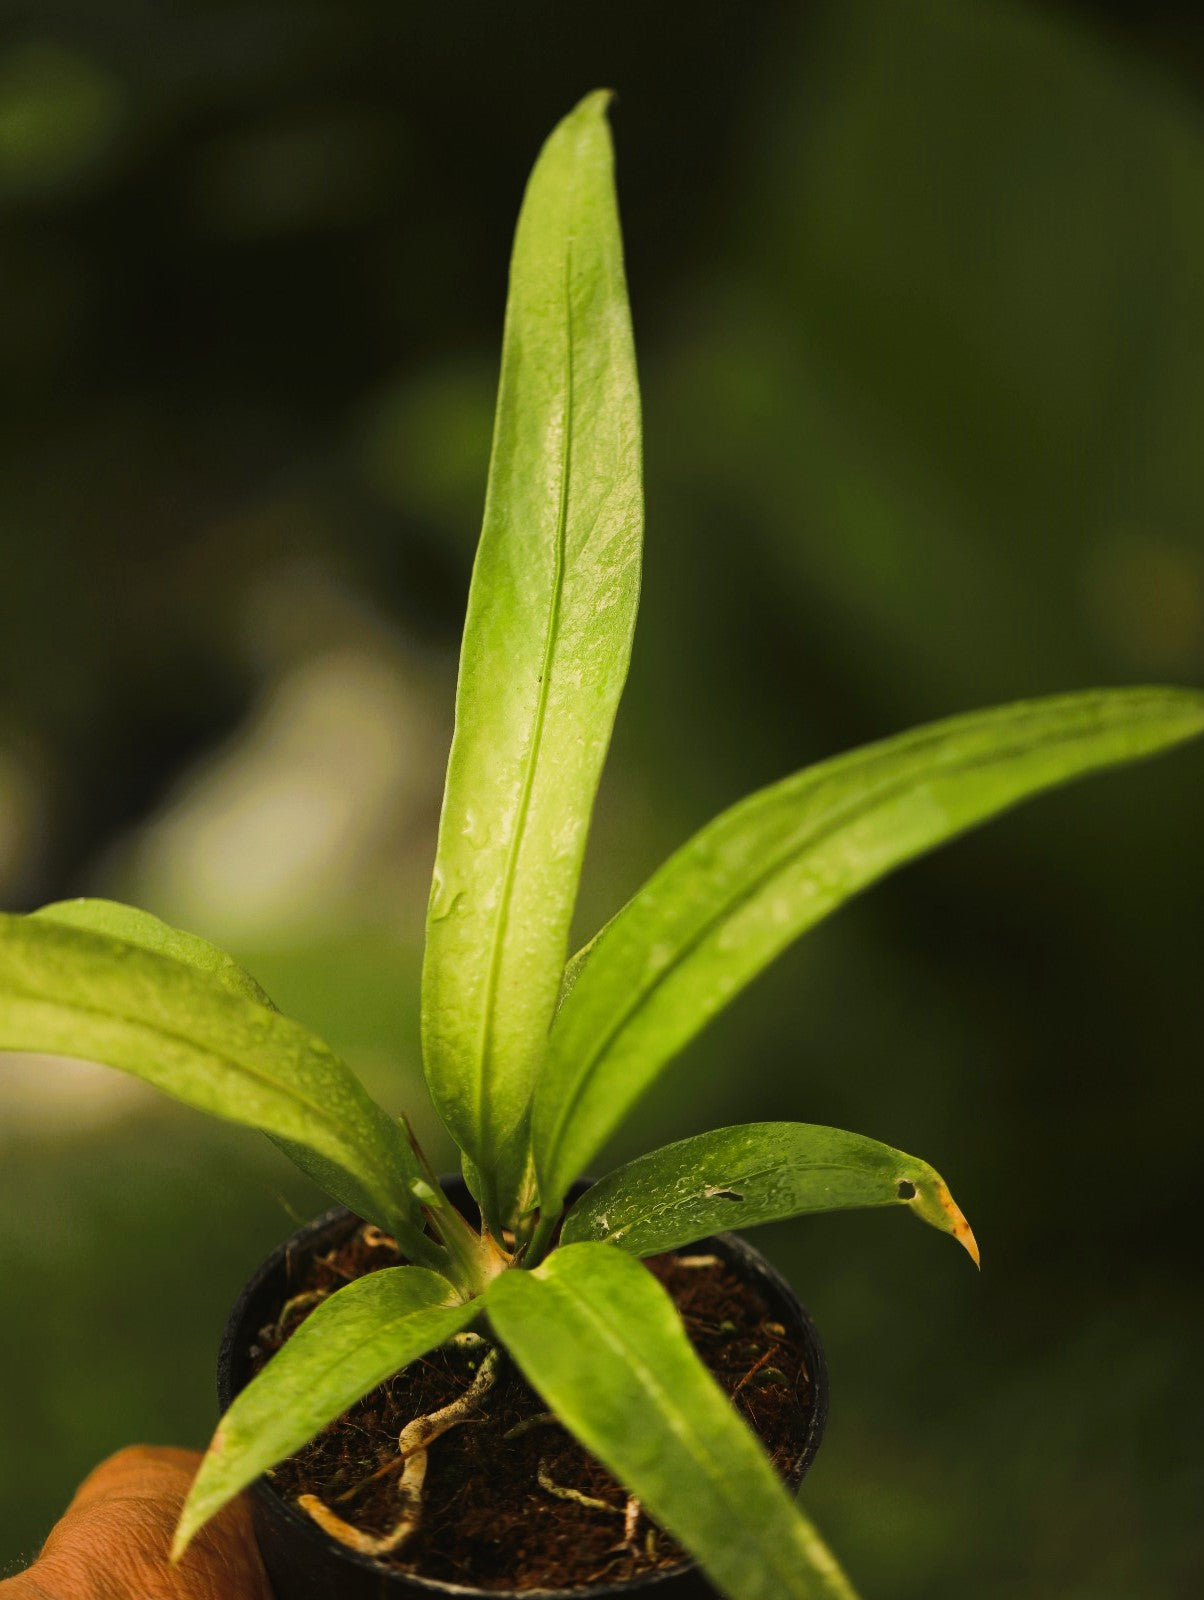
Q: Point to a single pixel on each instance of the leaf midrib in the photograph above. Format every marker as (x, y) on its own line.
(502, 921)
(679, 1421)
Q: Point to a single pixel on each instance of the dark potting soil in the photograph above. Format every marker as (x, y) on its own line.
(492, 1514)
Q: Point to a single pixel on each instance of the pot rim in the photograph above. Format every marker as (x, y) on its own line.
(731, 1247)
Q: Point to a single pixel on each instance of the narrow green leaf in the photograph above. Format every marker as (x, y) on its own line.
(760, 1172)
(546, 645)
(71, 991)
(781, 860)
(133, 926)
(359, 1337)
(601, 1341)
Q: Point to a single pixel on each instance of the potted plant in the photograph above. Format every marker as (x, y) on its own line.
(525, 1280)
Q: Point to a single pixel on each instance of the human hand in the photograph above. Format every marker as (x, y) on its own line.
(113, 1539)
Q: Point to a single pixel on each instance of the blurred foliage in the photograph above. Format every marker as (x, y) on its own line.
(916, 303)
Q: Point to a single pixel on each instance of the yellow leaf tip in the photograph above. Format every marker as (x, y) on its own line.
(928, 1196)
(957, 1225)
(966, 1238)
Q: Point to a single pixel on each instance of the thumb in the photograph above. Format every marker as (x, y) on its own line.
(114, 1537)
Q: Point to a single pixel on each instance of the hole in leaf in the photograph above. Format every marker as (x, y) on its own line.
(906, 1189)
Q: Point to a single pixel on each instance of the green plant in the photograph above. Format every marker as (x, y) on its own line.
(532, 1064)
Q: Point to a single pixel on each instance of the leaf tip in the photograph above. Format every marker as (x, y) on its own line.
(596, 103)
(186, 1529)
(588, 121)
(955, 1223)
(965, 1237)
(931, 1201)
(200, 1504)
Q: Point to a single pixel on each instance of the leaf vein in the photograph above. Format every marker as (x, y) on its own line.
(501, 925)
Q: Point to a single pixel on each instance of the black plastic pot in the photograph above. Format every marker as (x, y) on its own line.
(303, 1563)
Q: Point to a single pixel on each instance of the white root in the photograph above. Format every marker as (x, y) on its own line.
(367, 1544)
(299, 1302)
(631, 1522)
(544, 1419)
(563, 1492)
(412, 1444)
(377, 1239)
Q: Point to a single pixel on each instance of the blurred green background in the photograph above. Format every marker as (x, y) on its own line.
(917, 299)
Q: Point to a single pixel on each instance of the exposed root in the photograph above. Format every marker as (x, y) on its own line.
(416, 1435)
(377, 1239)
(367, 1544)
(631, 1523)
(563, 1492)
(629, 1544)
(412, 1443)
(542, 1419)
(697, 1261)
(299, 1302)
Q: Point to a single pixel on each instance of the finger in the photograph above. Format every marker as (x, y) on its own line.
(113, 1540)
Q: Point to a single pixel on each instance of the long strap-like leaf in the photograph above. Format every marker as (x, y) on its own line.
(353, 1341)
(600, 1340)
(774, 865)
(546, 646)
(70, 991)
(758, 1172)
